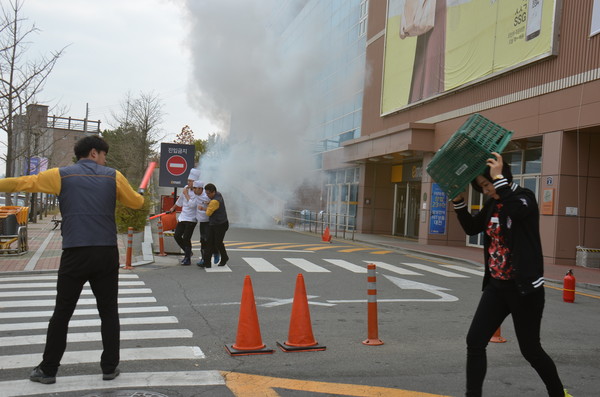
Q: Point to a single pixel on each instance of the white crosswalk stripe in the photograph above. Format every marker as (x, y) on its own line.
(153, 334)
(261, 265)
(306, 265)
(434, 270)
(347, 265)
(395, 269)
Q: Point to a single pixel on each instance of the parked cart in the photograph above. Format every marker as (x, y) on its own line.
(13, 230)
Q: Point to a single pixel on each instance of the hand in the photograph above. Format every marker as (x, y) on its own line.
(168, 212)
(495, 165)
(460, 197)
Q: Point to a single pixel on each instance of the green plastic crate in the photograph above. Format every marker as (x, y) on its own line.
(463, 157)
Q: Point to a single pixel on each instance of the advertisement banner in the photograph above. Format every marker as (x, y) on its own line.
(595, 29)
(439, 202)
(434, 46)
(35, 165)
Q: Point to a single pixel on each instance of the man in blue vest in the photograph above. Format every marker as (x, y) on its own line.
(87, 192)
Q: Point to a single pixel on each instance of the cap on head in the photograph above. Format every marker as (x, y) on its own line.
(194, 174)
(199, 184)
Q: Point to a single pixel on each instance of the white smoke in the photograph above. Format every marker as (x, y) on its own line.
(258, 92)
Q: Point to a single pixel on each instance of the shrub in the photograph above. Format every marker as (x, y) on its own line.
(127, 217)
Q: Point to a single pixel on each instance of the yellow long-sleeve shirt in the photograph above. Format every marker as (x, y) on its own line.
(50, 182)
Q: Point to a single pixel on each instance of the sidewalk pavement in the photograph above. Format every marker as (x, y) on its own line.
(45, 250)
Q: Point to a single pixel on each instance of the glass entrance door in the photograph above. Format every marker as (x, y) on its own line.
(406, 209)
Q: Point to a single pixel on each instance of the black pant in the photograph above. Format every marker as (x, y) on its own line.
(99, 266)
(499, 299)
(183, 235)
(203, 237)
(216, 235)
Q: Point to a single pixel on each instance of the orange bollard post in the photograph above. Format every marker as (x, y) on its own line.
(248, 340)
(373, 328)
(129, 249)
(161, 241)
(497, 337)
(300, 335)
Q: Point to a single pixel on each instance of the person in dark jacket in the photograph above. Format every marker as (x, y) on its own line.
(87, 193)
(218, 224)
(513, 282)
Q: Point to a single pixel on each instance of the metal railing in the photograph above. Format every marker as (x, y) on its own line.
(68, 123)
(316, 222)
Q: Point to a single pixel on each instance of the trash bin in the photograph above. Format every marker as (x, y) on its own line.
(588, 257)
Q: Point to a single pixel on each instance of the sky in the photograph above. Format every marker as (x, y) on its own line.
(217, 68)
(115, 47)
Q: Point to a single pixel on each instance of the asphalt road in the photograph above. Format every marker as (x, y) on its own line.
(424, 309)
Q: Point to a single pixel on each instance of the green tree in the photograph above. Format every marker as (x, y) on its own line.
(136, 134)
(21, 76)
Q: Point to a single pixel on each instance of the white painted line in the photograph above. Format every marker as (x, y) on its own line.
(464, 269)
(261, 265)
(82, 312)
(141, 380)
(52, 277)
(435, 270)
(80, 302)
(38, 254)
(218, 269)
(395, 269)
(306, 265)
(53, 285)
(90, 323)
(96, 336)
(347, 265)
(93, 356)
(15, 294)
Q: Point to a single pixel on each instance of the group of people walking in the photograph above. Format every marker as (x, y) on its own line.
(205, 205)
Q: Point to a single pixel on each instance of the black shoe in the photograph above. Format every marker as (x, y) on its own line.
(112, 375)
(37, 375)
(223, 262)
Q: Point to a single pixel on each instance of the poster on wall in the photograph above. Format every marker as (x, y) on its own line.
(595, 29)
(434, 46)
(439, 202)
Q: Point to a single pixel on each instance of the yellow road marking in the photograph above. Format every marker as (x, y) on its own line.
(355, 249)
(254, 245)
(282, 247)
(246, 385)
(326, 247)
(576, 293)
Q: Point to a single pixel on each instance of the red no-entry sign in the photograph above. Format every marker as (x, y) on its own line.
(176, 165)
(176, 161)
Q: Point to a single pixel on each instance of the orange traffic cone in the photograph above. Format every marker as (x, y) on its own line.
(300, 335)
(497, 338)
(248, 340)
(326, 236)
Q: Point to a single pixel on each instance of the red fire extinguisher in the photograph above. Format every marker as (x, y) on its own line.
(569, 287)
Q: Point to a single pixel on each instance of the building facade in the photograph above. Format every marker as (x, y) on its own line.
(532, 67)
(41, 141)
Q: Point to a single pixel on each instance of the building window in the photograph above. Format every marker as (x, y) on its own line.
(362, 25)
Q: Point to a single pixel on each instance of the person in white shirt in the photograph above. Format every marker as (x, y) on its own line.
(187, 219)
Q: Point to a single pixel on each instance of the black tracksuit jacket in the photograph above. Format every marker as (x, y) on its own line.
(519, 223)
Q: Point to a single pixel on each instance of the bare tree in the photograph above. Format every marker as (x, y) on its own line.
(20, 78)
(139, 120)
